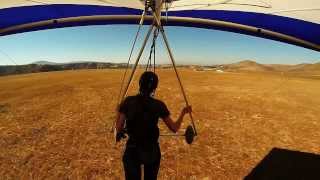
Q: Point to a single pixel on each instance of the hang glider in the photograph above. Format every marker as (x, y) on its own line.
(295, 22)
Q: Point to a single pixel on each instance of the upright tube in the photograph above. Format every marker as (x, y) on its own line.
(137, 61)
(177, 74)
(134, 69)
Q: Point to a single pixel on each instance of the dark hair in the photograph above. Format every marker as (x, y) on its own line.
(148, 82)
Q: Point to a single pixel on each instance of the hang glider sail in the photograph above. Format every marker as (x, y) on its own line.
(295, 22)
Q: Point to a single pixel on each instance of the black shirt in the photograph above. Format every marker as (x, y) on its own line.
(142, 115)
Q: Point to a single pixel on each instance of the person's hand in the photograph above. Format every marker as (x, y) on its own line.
(187, 109)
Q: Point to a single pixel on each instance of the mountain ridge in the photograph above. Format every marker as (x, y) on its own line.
(241, 66)
(250, 65)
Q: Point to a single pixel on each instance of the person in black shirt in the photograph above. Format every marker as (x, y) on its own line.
(138, 115)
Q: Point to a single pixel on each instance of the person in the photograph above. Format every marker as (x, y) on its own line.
(138, 116)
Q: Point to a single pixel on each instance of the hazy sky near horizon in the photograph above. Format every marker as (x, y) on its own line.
(112, 43)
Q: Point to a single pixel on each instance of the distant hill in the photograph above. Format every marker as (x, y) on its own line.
(307, 68)
(253, 66)
(46, 66)
(296, 68)
(247, 65)
(44, 63)
(242, 66)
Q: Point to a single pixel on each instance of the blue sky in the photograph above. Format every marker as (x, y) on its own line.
(112, 44)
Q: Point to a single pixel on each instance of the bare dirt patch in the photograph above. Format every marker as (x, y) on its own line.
(58, 124)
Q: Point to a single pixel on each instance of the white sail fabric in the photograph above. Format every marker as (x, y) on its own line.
(307, 10)
(291, 21)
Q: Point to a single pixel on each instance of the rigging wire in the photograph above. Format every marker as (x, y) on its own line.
(107, 2)
(247, 4)
(58, 10)
(9, 57)
(130, 55)
(295, 10)
(226, 2)
(207, 4)
(154, 55)
(38, 2)
(45, 3)
(156, 31)
(153, 51)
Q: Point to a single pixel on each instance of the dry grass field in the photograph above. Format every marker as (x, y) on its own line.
(57, 125)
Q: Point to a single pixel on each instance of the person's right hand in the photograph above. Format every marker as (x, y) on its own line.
(187, 109)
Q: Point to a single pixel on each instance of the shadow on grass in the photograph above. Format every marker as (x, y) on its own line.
(4, 108)
(286, 164)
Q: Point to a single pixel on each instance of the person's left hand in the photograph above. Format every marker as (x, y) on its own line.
(120, 135)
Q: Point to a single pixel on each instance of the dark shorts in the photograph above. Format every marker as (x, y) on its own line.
(135, 156)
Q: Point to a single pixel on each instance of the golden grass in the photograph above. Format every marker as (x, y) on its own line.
(56, 125)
